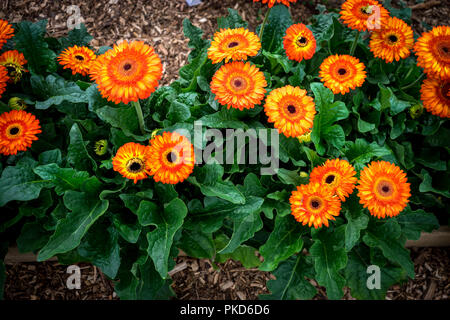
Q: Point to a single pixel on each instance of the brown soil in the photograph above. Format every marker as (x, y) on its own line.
(196, 279)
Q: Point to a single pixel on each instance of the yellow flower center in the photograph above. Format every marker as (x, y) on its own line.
(366, 10)
(13, 131)
(384, 188)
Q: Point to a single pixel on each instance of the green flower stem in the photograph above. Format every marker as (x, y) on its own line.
(413, 83)
(355, 42)
(264, 23)
(140, 115)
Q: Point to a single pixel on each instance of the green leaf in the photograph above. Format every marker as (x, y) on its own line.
(356, 221)
(414, 222)
(85, 211)
(322, 96)
(278, 21)
(289, 177)
(55, 91)
(197, 244)
(100, 246)
(244, 254)
(283, 242)
(78, 36)
(32, 237)
(123, 117)
(160, 240)
(232, 21)
(77, 154)
(50, 156)
(389, 100)
(243, 229)
(210, 217)
(290, 283)
(20, 183)
(145, 213)
(426, 185)
(62, 178)
(387, 237)
(129, 231)
(329, 259)
(196, 43)
(29, 40)
(359, 153)
(356, 275)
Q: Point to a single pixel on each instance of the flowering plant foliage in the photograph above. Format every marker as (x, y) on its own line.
(99, 164)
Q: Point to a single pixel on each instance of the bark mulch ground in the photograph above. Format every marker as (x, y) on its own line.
(159, 23)
(196, 279)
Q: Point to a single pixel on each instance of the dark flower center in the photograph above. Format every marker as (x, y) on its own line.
(445, 91)
(13, 131)
(329, 179)
(233, 44)
(385, 189)
(78, 57)
(11, 70)
(135, 165)
(238, 83)
(315, 204)
(302, 41)
(291, 108)
(171, 157)
(127, 67)
(444, 50)
(342, 71)
(393, 38)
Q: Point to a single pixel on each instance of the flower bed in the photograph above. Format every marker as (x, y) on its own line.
(104, 166)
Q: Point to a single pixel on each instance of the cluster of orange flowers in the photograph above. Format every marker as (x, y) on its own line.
(18, 129)
(169, 159)
(382, 188)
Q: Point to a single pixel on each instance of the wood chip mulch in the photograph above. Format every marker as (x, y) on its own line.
(196, 279)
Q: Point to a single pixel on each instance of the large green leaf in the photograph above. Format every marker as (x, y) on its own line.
(62, 178)
(414, 222)
(123, 117)
(100, 246)
(55, 90)
(29, 40)
(160, 240)
(85, 210)
(357, 276)
(356, 221)
(197, 244)
(77, 154)
(290, 283)
(243, 229)
(209, 217)
(244, 254)
(196, 43)
(78, 36)
(232, 21)
(20, 183)
(32, 237)
(388, 238)
(283, 242)
(329, 258)
(359, 153)
(146, 212)
(278, 21)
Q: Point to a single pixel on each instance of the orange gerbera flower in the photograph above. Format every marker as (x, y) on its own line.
(131, 161)
(13, 61)
(78, 59)
(239, 85)
(338, 175)
(435, 95)
(299, 42)
(18, 130)
(6, 32)
(128, 72)
(233, 44)
(3, 79)
(291, 110)
(314, 205)
(342, 72)
(383, 189)
(433, 52)
(393, 41)
(270, 3)
(171, 158)
(363, 15)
